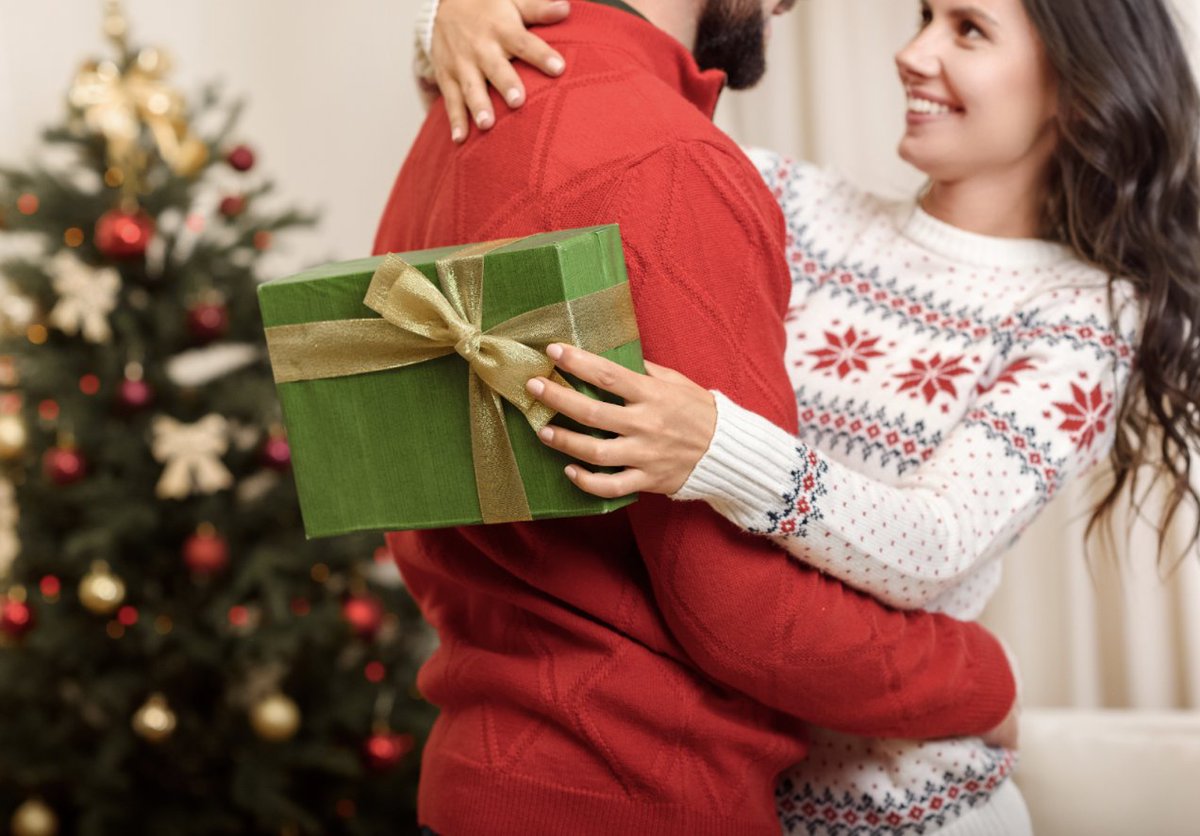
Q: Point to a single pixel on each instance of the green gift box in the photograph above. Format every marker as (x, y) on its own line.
(401, 378)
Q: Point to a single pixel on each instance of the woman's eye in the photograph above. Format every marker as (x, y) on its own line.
(924, 19)
(967, 29)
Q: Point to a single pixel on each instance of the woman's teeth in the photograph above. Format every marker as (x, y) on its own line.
(926, 107)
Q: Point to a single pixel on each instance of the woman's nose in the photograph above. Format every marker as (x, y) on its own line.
(919, 58)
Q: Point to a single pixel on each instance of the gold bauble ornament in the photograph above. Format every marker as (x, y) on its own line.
(34, 818)
(100, 590)
(13, 437)
(155, 720)
(275, 718)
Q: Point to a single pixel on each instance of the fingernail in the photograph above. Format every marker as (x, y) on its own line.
(483, 119)
(546, 434)
(513, 97)
(458, 134)
(571, 472)
(554, 350)
(556, 65)
(535, 387)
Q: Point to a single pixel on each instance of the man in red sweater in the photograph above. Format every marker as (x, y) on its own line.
(647, 672)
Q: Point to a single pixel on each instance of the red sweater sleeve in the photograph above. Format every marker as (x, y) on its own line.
(710, 286)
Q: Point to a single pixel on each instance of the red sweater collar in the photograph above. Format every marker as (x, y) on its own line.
(652, 48)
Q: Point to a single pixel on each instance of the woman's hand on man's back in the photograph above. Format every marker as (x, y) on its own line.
(474, 45)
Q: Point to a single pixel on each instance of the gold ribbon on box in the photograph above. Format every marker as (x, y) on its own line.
(420, 323)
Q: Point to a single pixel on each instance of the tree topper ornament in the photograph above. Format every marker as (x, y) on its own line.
(116, 99)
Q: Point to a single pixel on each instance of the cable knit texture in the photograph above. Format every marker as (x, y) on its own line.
(644, 671)
(424, 39)
(948, 384)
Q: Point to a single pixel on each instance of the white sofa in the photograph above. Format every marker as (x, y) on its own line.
(1111, 773)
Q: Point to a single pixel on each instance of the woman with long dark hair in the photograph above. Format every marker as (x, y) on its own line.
(956, 358)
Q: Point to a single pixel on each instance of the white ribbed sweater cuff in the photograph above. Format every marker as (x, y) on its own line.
(748, 466)
(425, 18)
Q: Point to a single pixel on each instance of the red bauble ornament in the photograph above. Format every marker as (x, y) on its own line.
(364, 614)
(124, 234)
(208, 321)
(64, 465)
(277, 454)
(383, 750)
(232, 205)
(241, 158)
(134, 395)
(206, 552)
(16, 618)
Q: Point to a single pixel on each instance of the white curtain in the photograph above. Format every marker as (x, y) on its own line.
(332, 111)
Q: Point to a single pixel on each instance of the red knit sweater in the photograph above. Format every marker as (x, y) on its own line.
(642, 672)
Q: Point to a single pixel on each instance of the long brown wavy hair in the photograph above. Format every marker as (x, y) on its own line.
(1124, 193)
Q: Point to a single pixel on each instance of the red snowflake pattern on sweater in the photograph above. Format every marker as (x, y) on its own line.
(1086, 415)
(933, 376)
(1008, 377)
(847, 352)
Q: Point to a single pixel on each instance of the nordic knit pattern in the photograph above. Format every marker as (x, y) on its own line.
(641, 671)
(948, 384)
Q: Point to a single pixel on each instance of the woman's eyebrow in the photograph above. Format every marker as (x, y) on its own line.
(973, 11)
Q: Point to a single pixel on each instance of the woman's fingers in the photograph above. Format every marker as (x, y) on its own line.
(596, 370)
(585, 410)
(456, 110)
(473, 44)
(606, 485)
(606, 452)
(534, 12)
(501, 75)
(475, 94)
(531, 49)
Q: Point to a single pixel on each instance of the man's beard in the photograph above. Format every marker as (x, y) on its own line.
(731, 36)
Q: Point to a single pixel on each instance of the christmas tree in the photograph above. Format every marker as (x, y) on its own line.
(175, 657)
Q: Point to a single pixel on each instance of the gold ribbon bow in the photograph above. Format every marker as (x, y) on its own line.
(419, 323)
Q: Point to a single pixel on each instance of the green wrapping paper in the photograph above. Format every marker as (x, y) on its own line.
(392, 448)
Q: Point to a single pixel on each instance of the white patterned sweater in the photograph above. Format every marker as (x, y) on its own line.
(948, 384)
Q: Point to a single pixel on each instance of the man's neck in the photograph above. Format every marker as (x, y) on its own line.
(678, 18)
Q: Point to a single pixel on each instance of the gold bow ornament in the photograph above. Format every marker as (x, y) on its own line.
(191, 456)
(419, 323)
(86, 296)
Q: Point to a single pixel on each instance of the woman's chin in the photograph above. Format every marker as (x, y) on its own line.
(920, 158)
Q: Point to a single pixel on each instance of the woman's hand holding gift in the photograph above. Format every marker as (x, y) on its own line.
(663, 429)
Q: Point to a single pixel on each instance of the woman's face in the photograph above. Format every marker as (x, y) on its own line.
(981, 93)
